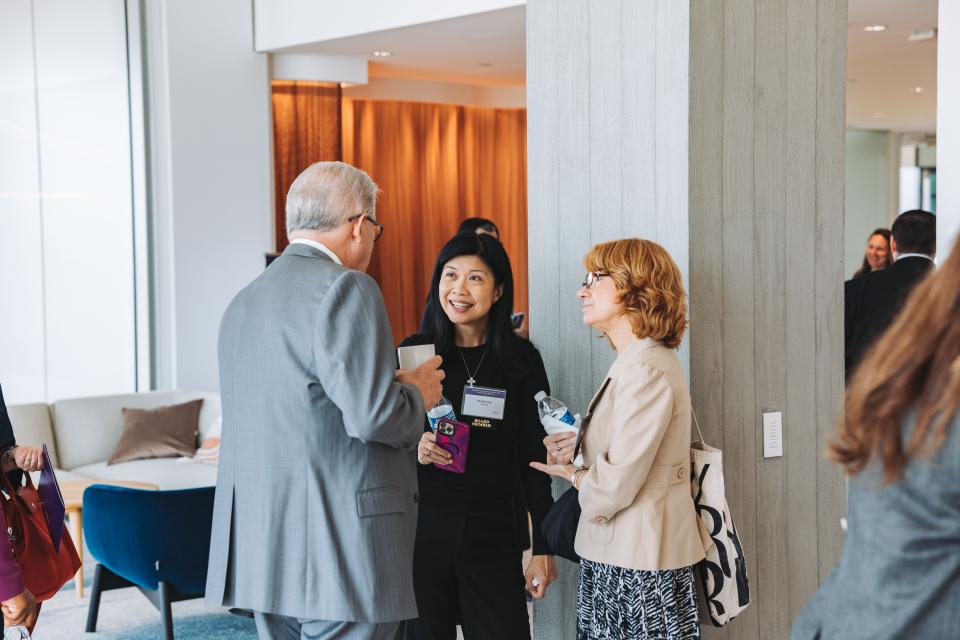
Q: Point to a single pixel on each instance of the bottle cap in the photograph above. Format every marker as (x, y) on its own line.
(540, 395)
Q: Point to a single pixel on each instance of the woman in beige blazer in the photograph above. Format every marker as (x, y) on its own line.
(638, 537)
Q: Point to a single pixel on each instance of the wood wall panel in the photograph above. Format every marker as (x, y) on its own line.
(770, 357)
(752, 221)
(831, 61)
(638, 130)
(604, 118)
(776, 70)
(737, 217)
(801, 316)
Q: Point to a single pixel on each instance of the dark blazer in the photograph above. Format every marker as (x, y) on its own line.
(899, 575)
(872, 301)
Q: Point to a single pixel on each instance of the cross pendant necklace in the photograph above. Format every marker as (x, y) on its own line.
(471, 379)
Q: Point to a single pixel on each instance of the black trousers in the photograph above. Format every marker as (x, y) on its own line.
(482, 592)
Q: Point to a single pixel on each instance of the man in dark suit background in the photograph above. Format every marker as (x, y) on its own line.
(872, 301)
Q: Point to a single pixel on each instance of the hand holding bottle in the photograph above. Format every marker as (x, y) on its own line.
(560, 447)
(554, 415)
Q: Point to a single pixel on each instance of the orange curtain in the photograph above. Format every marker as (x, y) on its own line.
(436, 165)
(306, 129)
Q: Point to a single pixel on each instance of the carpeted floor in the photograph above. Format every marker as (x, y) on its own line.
(125, 614)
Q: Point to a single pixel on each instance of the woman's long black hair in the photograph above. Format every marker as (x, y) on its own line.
(501, 340)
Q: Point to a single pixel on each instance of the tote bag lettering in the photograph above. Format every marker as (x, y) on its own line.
(722, 588)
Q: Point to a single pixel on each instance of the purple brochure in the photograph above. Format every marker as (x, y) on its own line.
(52, 500)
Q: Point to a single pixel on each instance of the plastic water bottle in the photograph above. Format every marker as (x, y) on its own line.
(553, 408)
(443, 409)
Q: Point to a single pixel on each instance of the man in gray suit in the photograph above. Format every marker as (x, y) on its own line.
(315, 512)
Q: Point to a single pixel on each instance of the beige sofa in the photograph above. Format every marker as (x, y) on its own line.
(81, 433)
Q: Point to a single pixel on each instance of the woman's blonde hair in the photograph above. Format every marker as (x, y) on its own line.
(650, 286)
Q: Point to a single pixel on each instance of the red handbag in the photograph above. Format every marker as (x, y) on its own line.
(44, 569)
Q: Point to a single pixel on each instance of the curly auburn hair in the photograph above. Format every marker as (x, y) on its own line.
(649, 284)
(913, 369)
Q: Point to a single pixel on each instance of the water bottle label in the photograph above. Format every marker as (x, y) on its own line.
(565, 417)
(438, 413)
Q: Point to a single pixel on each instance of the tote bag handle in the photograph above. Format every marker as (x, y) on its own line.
(697, 424)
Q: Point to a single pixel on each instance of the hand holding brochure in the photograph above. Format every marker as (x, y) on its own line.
(51, 499)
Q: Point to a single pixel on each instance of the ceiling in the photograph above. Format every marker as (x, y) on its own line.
(883, 68)
(483, 48)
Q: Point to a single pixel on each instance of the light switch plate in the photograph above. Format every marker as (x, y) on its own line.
(773, 434)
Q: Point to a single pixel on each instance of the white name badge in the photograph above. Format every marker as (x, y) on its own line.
(484, 402)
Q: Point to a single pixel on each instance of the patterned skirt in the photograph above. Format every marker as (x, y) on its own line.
(614, 603)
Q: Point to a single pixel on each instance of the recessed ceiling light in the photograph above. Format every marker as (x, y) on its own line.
(875, 27)
(382, 54)
(918, 89)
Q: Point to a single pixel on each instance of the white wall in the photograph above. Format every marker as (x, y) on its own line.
(865, 196)
(22, 356)
(948, 126)
(293, 22)
(210, 132)
(66, 215)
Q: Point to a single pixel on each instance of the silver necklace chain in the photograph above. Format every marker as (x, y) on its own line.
(472, 380)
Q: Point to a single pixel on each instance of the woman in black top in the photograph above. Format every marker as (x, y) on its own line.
(472, 527)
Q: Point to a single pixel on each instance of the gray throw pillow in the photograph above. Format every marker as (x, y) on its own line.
(164, 432)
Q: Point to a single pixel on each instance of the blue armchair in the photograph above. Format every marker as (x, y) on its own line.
(157, 541)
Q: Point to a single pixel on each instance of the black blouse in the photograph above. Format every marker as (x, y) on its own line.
(498, 487)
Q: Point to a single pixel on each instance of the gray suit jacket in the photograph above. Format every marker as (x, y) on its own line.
(315, 511)
(899, 575)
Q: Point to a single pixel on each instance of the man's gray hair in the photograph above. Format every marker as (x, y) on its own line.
(328, 193)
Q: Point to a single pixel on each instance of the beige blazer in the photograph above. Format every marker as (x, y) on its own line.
(637, 508)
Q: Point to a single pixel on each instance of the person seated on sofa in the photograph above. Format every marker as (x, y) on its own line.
(16, 601)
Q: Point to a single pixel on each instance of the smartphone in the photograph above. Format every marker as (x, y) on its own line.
(516, 320)
(454, 436)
